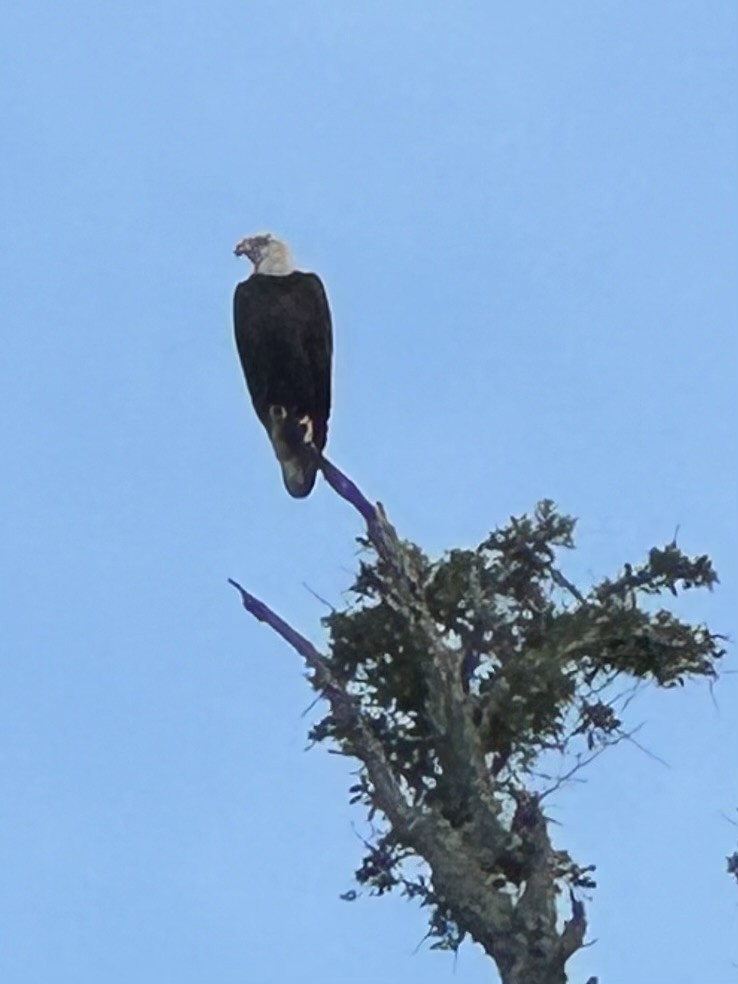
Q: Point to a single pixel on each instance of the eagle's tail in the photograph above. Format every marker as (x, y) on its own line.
(292, 439)
(299, 476)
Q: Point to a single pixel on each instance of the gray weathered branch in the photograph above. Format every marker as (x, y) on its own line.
(346, 712)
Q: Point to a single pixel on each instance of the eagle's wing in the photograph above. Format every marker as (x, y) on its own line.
(253, 344)
(318, 347)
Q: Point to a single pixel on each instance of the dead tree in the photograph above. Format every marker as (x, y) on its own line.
(468, 689)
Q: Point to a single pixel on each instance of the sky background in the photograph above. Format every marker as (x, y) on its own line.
(526, 219)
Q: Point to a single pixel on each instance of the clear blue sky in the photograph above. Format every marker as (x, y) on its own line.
(526, 219)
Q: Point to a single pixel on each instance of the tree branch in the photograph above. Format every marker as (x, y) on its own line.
(380, 533)
(346, 712)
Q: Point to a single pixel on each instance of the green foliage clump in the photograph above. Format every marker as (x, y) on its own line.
(540, 665)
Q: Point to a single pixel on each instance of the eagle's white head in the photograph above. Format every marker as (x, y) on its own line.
(269, 255)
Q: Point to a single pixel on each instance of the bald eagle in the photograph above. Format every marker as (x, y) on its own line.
(285, 343)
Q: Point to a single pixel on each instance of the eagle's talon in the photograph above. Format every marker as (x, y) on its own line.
(307, 423)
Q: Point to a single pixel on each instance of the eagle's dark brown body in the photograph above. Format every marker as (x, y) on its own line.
(285, 344)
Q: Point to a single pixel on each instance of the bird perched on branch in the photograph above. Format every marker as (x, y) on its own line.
(285, 343)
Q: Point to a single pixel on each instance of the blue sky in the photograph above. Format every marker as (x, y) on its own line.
(525, 216)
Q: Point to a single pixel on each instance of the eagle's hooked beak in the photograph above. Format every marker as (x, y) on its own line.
(244, 248)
